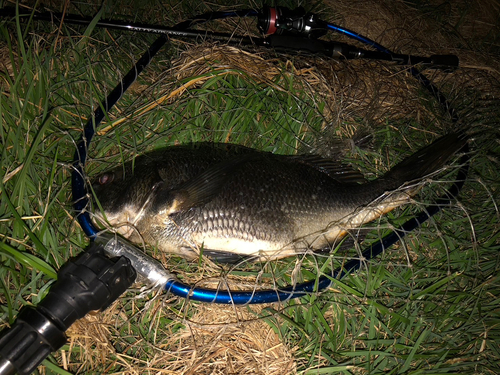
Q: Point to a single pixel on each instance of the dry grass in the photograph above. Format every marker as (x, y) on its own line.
(354, 89)
(215, 340)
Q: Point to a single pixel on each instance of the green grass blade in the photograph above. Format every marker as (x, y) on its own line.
(28, 260)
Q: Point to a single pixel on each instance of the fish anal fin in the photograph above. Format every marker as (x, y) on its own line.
(226, 257)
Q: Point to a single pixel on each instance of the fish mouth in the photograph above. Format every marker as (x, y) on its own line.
(125, 221)
(122, 223)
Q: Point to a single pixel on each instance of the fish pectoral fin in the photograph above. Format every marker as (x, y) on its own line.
(202, 188)
(178, 201)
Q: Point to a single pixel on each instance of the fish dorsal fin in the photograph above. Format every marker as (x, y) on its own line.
(202, 188)
(340, 172)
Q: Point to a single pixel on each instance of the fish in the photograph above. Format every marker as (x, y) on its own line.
(233, 203)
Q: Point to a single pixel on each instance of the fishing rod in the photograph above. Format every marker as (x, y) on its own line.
(103, 278)
(290, 32)
(180, 30)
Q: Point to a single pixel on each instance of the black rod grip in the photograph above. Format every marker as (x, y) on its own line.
(91, 281)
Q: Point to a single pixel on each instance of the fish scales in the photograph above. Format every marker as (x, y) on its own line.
(231, 201)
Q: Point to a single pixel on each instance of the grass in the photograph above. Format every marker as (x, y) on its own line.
(428, 305)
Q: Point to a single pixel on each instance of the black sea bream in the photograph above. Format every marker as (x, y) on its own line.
(234, 202)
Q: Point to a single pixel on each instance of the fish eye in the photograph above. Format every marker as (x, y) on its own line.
(106, 178)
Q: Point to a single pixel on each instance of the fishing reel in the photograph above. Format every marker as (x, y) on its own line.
(295, 31)
(283, 21)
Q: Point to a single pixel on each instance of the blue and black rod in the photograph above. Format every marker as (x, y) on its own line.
(291, 41)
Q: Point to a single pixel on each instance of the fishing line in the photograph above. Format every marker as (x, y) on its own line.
(254, 296)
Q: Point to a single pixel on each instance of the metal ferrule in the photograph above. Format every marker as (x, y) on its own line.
(149, 269)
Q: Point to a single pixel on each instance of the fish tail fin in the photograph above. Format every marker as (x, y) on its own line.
(427, 160)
